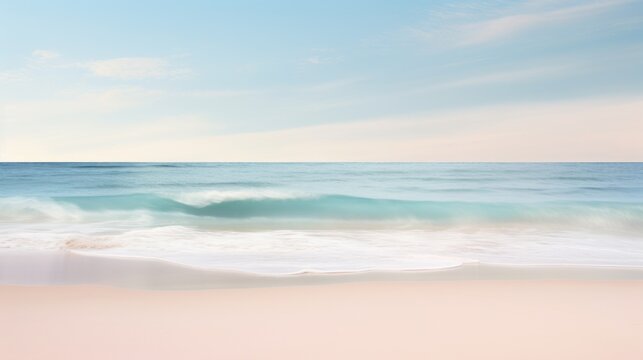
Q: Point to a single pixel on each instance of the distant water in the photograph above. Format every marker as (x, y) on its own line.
(286, 218)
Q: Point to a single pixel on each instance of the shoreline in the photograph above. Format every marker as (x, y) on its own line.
(43, 268)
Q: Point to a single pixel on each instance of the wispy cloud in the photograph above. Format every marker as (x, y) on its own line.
(332, 85)
(39, 59)
(124, 68)
(511, 25)
(322, 57)
(13, 75)
(135, 68)
(469, 29)
(44, 54)
(506, 76)
(220, 93)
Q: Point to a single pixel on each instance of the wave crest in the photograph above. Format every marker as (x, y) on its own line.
(205, 208)
(208, 197)
(24, 209)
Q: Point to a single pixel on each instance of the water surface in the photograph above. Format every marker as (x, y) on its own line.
(294, 217)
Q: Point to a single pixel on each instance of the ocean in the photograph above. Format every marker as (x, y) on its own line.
(286, 218)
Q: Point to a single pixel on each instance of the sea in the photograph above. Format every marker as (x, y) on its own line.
(290, 218)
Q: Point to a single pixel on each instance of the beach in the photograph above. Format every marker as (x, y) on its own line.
(321, 261)
(67, 305)
(481, 319)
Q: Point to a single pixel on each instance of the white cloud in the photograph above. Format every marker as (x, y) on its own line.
(506, 76)
(332, 85)
(44, 54)
(322, 57)
(13, 75)
(120, 68)
(217, 93)
(511, 23)
(39, 59)
(315, 60)
(134, 68)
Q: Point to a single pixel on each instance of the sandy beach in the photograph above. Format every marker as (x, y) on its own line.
(481, 319)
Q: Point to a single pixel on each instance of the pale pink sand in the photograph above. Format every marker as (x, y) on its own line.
(383, 320)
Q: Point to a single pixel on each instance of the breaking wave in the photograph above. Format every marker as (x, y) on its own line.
(270, 204)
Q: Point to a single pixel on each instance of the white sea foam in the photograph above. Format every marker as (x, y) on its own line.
(205, 198)
(25, 209)
(294, 251)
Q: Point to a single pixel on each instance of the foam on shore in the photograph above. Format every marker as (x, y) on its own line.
(70, 268)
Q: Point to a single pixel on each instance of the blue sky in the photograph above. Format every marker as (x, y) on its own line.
(534, 80)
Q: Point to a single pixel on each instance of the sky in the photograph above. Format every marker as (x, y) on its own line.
(408, 80)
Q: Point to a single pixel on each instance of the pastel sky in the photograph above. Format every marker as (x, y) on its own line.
(332, 80)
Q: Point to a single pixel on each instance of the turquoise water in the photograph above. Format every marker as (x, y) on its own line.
(293, 217)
